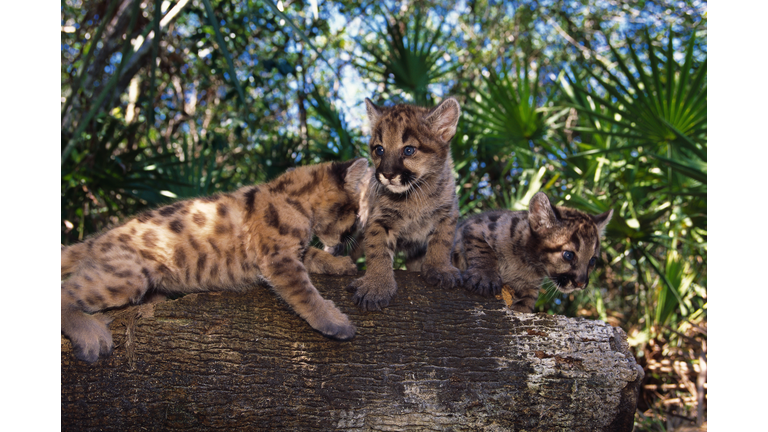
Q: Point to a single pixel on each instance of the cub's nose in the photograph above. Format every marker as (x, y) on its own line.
(388, 176)
(580, 281)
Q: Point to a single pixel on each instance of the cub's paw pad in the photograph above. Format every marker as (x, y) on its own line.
(483, 282)
(444, 277)
(370, 295)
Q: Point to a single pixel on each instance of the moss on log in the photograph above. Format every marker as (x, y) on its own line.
(433, 360)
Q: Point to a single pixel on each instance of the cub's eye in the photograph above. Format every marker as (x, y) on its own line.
(592, 261)
(409, 150)
(568, 255)
(379, 150)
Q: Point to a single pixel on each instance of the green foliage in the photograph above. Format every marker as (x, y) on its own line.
(406, 54)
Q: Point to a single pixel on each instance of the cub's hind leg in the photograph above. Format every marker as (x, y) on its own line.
(290, 280)
(91, 288)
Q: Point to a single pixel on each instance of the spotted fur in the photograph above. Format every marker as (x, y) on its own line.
(221, 242)
(522, 248)
(412, 205)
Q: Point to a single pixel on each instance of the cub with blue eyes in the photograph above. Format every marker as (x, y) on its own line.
(411, 201)
(521, 249)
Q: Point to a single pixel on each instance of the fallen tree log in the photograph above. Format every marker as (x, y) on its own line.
(433, 360)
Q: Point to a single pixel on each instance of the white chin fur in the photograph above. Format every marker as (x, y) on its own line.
(397, 189)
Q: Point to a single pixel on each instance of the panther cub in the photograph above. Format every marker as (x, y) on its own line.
(521, 248)
(412, 205)
(221, 242)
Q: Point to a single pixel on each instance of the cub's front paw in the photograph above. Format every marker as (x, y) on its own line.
(92, 338)
(485, 282)
(332, 323)
(345, 266)
(445, 277)
(372, 293)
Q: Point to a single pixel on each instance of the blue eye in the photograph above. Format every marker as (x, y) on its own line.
(379, 150)
(568, 255)
(592, 261)
(409, 150)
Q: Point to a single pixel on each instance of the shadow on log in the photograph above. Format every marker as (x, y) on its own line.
(433, 360)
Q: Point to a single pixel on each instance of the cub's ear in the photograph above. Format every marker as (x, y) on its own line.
(374, 112)
(443, 118)
(541, 215)
(355, 174)
(602, 220)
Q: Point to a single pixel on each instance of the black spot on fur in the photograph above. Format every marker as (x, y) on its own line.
(264, 249)
(108, 268)
(214, 246)
(124, 274)
(169, 210)
(195, 245)
(176, 226)
(199, 219)
(179, 257)
(250, 197)
(494, 217)
(145, 217)
(148, 255)
(221, 228)
(221, 209)
(124, 238)
(512, 226)
(492, 226)
(105, 247)
(214, 271)
(271, 216)
(201, 265)
(150, 238)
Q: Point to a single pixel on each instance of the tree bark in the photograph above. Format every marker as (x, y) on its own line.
(433, 360)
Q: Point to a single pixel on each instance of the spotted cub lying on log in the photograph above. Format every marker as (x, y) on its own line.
(222, 242)
(522, 248)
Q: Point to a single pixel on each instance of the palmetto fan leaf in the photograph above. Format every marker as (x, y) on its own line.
(407, 59)
(661, 103)
(507, 114)
(658, 105)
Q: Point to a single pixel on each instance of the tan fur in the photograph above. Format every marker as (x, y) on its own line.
(223, 242)
(520, 249)
(412, 205)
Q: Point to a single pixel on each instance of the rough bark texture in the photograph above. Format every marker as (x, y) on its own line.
(433, 360)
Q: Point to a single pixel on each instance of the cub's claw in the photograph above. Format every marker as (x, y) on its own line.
(485, 282)
(370, 294)
(445, 277)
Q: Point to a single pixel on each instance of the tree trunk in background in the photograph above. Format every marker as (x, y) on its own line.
(433, 360)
